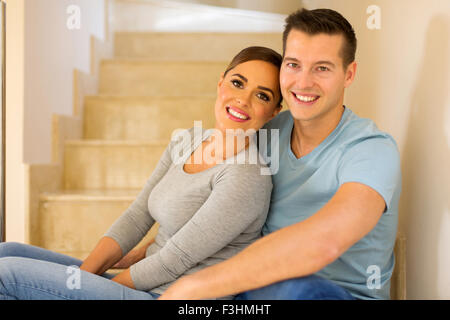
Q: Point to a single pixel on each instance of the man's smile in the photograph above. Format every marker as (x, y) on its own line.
(307, 99)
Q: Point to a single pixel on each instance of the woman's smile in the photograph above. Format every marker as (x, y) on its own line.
(236, 114)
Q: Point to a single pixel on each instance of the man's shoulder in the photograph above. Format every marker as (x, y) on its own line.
(357, 131)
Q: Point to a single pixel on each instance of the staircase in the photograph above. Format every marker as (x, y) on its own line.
(156, 83)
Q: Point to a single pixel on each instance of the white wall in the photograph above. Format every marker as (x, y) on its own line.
(41, 57)
(403, 83)
(280, 6)
(52, 52)
(15, 93)
(173, 16)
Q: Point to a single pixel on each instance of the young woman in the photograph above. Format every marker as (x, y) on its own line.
(208, 207)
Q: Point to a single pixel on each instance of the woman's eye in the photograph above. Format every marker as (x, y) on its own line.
(263, 96)
(237, 83)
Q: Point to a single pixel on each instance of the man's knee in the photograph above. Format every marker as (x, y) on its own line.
(303, 288)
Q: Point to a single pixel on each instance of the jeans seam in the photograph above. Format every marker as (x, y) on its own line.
(39, 289)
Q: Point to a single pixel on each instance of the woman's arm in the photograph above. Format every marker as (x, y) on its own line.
(106, 253)
(130, 228)
(240, 196)
(133, 256)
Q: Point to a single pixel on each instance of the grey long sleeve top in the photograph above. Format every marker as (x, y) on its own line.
(205, 217)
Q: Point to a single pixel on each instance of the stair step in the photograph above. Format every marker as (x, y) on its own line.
(192, 46)
(152, 78)
(72, 222)
(100, 164)
(147, 118)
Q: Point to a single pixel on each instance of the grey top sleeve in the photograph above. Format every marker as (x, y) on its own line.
(136, 221)
(240, 195)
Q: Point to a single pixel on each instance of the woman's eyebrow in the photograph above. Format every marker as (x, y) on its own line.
(267, 89)
(259, 87)
(241, 76)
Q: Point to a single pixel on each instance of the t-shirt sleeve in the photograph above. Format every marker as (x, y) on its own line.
(374, 162)
(238, 198)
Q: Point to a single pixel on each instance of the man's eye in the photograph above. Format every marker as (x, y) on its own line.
(237, 83)
(322, 68)
(292, 65)
(263, 96)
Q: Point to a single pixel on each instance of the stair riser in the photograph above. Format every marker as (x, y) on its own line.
(143, 78)
(75, 227)
(109, 167)
(144, 118)
(193, 46)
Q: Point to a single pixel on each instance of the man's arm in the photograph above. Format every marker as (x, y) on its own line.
(294, 251)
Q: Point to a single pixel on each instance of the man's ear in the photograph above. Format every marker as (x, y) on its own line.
(350, 74)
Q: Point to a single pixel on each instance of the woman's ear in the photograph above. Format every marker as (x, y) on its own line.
(222, 76)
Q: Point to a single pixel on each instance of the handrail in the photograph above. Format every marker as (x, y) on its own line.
(3, 120)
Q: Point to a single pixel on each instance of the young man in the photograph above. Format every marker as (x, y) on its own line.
(333, 218)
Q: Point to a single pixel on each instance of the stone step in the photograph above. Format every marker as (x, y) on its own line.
(72, 222)
(144, 118)
(191, 46)
(152, 78)
(101, 164)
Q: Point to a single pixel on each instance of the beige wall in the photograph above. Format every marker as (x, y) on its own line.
(403, 84)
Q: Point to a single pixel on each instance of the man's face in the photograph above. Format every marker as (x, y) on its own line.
(312, 75)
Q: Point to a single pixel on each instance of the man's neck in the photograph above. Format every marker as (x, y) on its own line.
(307, 135)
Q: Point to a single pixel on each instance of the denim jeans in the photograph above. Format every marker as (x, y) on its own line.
(32, 273)
(304, 288)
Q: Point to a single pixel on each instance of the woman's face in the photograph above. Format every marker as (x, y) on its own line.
(248, 96)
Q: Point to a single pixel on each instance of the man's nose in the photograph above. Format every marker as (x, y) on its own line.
(305, 80)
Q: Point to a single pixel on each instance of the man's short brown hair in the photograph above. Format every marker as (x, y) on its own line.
(327, 21)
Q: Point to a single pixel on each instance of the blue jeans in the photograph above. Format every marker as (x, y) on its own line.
(31, 273)
(305, 288)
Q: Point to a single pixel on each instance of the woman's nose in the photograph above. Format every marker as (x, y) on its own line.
(243, 99)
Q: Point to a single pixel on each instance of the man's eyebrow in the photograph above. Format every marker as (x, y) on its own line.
(241, 76)
(331, 64)
(291, 59)
(326, 62)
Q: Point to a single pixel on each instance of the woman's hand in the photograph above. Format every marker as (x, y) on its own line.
(130, 258)
(133, 257)
(124, 278)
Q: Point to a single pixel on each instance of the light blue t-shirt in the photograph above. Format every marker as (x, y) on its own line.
(356, 151)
